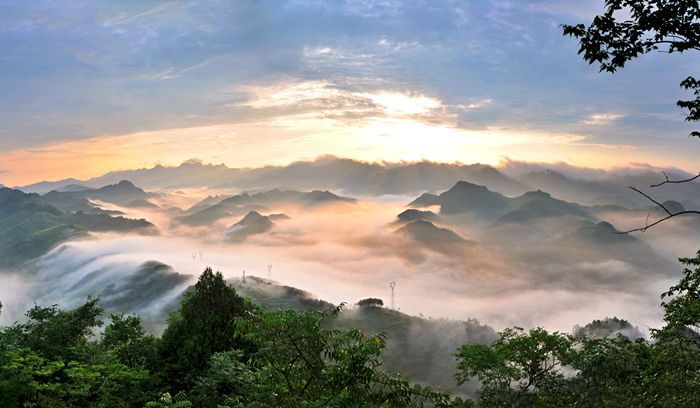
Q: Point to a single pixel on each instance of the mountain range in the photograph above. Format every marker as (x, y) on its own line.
(465, 197)
(212, 209)
(30, 225)
(374, 179)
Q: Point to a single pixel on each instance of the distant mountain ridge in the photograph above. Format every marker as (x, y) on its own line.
(76, 198)
(253, 223)
(465, 197)
(358, 178)
(202, 213)
(327, 173)
(30, 225)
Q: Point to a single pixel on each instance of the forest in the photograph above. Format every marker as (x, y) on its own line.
(221, 350)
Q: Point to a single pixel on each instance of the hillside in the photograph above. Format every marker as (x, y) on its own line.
(29, 226)
(416, 347)
(487, 205)
(212, 209)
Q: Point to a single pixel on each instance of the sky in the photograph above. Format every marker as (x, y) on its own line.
(90, 86)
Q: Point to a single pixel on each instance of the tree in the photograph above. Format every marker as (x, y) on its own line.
(54, 333)
(520, 369)
(371, 302)
(126, 339)
(206, 323)
(544, 369)
(52, 360)
(654, 25)
(630, 28)
(298, 362)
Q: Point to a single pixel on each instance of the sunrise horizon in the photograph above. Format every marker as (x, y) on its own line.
(349, 203)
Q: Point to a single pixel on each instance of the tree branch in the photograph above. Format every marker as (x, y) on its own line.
(643, 229)
(669, 216)
(668, 181)
(652, 200)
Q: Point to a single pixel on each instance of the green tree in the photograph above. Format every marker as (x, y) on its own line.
(630, 28)
(126, 339)
(552, 370)
(56, 333)
(206, 323)
(519, 369)
(168, 401)
(298, 363)
(52, 360)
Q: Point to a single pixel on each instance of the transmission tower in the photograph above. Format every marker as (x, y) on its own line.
(392, 285)
(243, 279)
(201, 254)
(269, 272)
(194, 256)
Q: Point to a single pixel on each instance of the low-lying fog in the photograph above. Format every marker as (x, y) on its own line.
(350, 251)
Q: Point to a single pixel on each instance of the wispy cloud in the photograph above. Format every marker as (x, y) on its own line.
(172, 73)
(602, 119)
(125, 18)
(475, 105)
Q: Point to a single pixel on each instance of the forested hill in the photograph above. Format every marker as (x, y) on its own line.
(221, 350)
(29, 226)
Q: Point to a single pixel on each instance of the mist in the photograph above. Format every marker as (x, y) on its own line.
(350, 251)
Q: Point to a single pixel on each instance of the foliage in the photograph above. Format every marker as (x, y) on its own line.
(218, 350)
(519, 368)
(52, 360)
(612, 40)
(168, 401)
(257, 358)
(371, 302)
(299, 363)
(206, 323)
(553, 370)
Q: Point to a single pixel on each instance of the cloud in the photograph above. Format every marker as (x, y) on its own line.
(475, 105)
(602, 119)
(125, 18)
(396, 103)
(172, 73)
(350, 252)
(183, 64)
(323, 99)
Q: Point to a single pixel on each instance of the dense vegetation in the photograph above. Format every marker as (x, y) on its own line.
(219, 349)
(30, 225)
(538, 368)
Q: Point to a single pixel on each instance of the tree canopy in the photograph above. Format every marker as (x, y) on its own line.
(630, 28)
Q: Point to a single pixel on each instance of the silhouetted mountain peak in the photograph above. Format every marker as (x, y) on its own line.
(252, 224)
(317, 196)
(467, 197)
(415, 215)
(124, 186)
(673, 206)
(425, 200)
(250, 218)
(466, 186)
(537, 194)
(602, 233)
(431, 235)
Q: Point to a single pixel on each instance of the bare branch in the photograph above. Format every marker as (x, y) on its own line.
(669, 216)
(643, 229)
(652, 200)
(668, 181)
